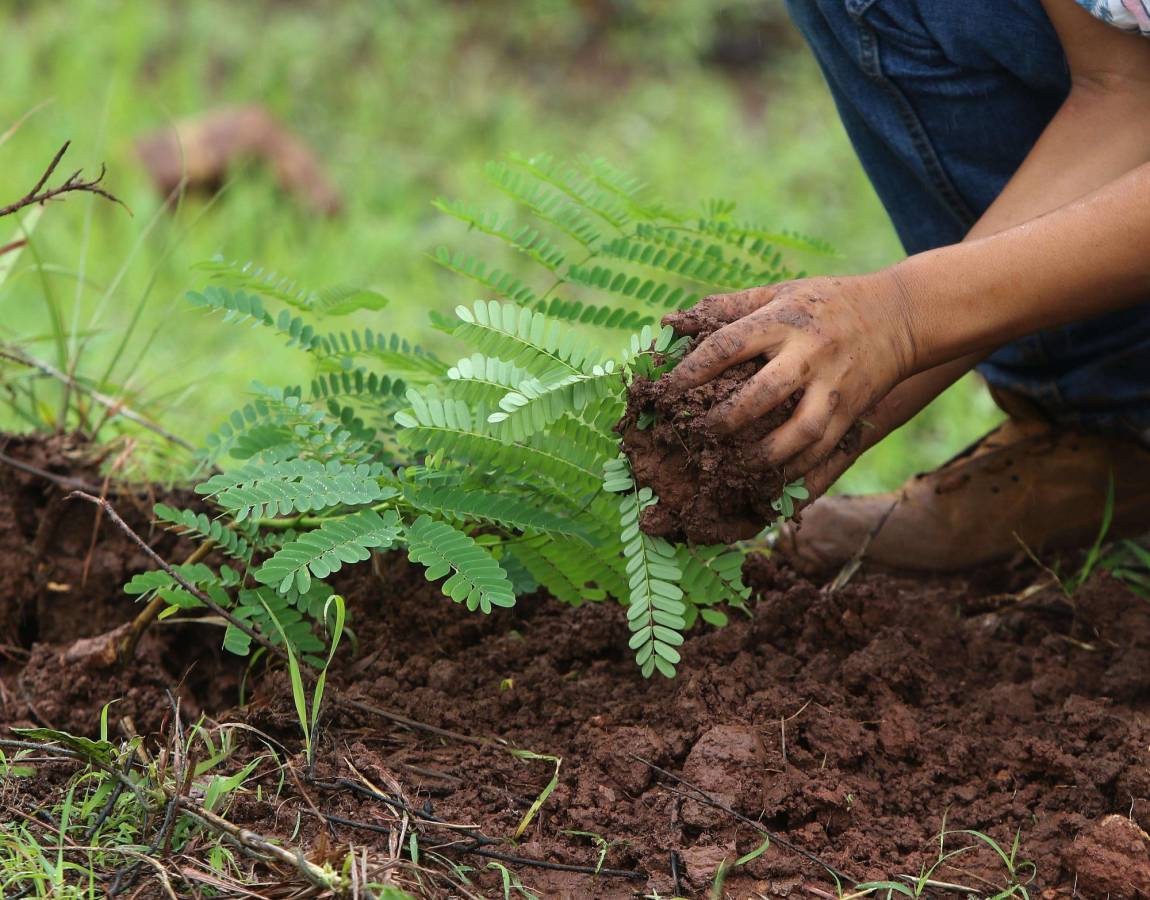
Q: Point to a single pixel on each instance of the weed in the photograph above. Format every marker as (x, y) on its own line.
(510, 882)
(308, 715)
(725, 867)
(1015, 867)
(1015, 886)
(601, 842)
(1126, 560)
(544, 794)
(1129, 562)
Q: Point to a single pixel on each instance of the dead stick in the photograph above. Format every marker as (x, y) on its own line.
(399, 719)
(257, 842)
(211, 604)
(151, 612)
(64, 481)
(39, 195)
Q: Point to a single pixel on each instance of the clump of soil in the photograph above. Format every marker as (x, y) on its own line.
(712, 487)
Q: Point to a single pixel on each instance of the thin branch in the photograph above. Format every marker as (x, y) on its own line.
(144, 619)
(360, 706)
(267, 847)
(211, 604)
(64, 481)
(73, 184)
(478, 842)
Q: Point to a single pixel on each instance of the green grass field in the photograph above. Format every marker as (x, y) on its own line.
(404, 102)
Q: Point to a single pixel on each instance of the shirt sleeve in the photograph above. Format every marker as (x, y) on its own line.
(1129, 15)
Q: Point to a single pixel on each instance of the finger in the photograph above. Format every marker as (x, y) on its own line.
(722, 308)
(737, 342)
(806, 427)
(768, 388)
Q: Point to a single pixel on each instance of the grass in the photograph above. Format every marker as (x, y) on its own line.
(404, 102)
(126, 816)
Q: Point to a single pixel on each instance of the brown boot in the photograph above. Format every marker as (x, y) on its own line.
(1025, 483)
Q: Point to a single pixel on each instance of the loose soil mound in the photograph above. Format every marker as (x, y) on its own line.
(853, 725)
(64, 568)
(712, 487)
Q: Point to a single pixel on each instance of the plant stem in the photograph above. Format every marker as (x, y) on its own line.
(302, 521)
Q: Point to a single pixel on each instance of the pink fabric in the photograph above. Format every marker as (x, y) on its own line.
(1138, 11)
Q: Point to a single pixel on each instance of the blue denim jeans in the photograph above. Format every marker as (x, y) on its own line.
(943, 99)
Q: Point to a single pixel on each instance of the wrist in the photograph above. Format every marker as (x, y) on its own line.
(897, 298)
(941, 323)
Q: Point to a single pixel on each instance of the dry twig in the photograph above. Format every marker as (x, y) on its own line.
(73, 184)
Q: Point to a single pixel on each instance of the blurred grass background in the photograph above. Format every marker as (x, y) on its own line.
(404, 100)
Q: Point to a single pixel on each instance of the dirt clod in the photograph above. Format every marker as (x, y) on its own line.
(728, 763)
(713, 487)
(1112, 856)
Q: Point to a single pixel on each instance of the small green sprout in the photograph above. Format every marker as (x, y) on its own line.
(784, 504)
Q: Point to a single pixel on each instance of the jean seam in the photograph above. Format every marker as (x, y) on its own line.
(871, 65)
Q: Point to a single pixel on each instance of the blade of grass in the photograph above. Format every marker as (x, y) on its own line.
(546, 792)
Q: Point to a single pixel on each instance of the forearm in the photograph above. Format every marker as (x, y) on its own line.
(1084, 259)
(1068, 162)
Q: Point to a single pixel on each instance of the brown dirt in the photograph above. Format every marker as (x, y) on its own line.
(712, 488)
(64, 572)
(852, 724)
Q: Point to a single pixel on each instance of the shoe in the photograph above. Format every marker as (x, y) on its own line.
(1025, 485)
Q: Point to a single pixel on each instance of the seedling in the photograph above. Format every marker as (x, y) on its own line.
(784, 504)
(544, 794)
(726, 867)
(511, 882)
(308, 715)
(496, 473)
(600, 842)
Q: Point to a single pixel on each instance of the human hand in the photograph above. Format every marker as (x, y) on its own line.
(844, 342)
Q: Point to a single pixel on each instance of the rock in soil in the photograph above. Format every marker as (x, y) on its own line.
(728, 763)
(712, 487)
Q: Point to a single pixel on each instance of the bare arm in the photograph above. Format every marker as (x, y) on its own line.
(1059, 244)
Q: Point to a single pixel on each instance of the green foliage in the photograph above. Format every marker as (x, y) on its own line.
(297, 485)
(324, 550)
(784, 504)
(476, 579)
(499, 474)
(336, 300)
(656, 609)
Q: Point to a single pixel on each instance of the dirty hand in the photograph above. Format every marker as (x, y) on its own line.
(845, 342)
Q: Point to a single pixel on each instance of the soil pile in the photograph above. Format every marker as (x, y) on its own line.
(851, 724)
(713, 488)
(64, 567)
